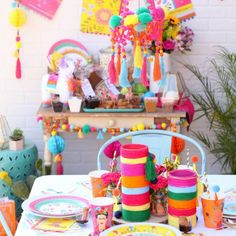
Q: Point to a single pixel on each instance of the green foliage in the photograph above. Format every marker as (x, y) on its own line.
(17, 135)
(217, 102)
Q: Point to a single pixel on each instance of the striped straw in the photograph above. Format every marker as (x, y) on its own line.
(207, 186)
(187, 155)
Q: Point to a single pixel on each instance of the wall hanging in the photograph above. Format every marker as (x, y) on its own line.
(17, 18)
(46, 8)
(96, 14)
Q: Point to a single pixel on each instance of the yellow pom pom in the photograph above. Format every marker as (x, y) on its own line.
(18, 45)
(134, 128)
(131, 20)
(140, 126)
(163, 125)
(17, 18)
(54, 133)
(5, 177)
(64, 127)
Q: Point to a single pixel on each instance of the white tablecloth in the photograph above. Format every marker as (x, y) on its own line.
(74, 184)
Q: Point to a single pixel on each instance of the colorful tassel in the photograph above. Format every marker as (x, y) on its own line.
(80, 134)
(136, 73)
(18, 68)
(157, 71)
(100, 135)
(60, 169)
(138, 58)
(112, 70)
(150, 169)
(118, 62)
(144, 72)
(124, 82)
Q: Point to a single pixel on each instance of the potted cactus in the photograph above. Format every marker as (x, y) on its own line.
(16, 141)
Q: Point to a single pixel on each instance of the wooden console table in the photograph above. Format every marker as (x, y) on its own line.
(106, 120)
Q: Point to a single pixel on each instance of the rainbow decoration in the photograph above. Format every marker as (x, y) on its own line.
(71, 48)
(135, 187)
(182, 197)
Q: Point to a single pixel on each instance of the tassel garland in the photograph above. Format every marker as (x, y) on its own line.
(136, 73)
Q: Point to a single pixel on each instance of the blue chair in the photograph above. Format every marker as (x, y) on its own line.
(159, 133)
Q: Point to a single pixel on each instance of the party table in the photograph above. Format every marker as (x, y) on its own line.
(79, 185)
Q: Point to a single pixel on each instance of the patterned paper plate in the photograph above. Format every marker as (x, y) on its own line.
(141, 229)
(230, 208)
(55, 206)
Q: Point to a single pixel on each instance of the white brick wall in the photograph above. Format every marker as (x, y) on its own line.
(19, 99)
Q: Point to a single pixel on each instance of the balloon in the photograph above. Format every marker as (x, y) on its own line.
(17, 18)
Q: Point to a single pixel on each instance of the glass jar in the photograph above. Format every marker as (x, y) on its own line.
(159, 203)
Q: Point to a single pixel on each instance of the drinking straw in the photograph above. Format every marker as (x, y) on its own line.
(5, 225)
(187, 154)
(207, 186)
(216, 189)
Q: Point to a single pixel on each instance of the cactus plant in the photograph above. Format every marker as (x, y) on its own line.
(17, 135)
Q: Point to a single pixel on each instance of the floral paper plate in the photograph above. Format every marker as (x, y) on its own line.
(141, 229)
(55, 206)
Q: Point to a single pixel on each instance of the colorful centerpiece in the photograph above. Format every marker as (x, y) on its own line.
(135, 186)
(182, 199)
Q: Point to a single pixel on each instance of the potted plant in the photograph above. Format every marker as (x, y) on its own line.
(216, 101)
(16, 141)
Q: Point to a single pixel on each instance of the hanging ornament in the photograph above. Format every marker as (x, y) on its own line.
(17, 18)
(100, 135)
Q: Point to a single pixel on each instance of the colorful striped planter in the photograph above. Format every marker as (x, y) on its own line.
(134, 186)
(182, 197)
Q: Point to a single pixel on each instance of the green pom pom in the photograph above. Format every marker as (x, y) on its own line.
(144, 18)
(115, 21)
(142, 10)
(86, 129)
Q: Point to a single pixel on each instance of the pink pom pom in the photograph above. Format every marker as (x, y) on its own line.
(112, 70)
(39, 118)
(111, 148)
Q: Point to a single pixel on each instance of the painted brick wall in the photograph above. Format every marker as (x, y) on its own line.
(20, 99)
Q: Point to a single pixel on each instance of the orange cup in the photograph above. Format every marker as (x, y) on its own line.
(98, 188)
(212, 209)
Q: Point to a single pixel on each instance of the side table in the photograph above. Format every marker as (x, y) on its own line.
(19, 165)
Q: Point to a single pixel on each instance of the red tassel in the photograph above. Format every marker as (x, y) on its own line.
(157, 69)
(144, 72)
(59, 168)
(112, 70)
(18, 68)
(118, 66)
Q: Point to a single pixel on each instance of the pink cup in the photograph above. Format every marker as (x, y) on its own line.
(101, 212)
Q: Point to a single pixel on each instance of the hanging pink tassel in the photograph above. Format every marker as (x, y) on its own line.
(18, 68)
(144, 72)
(112, 70)
(59, 168)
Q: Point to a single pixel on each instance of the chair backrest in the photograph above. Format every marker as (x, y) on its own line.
(157, 132)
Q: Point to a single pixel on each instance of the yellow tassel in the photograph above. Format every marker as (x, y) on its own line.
(138, 57)
(80, 134)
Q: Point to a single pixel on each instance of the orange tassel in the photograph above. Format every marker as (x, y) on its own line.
(157, 69)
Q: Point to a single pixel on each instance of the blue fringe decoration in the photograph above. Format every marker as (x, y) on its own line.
(124, 82)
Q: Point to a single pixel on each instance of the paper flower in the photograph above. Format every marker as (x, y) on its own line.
(111, 178)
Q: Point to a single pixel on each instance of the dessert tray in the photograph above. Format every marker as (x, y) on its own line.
(55, 206)
(141, 229)
(110, 110)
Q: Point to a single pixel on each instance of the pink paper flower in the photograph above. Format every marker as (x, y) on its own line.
(111, 178)
(169, 45)
(161, 183)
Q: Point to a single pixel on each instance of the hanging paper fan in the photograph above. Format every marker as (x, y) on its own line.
(72, 49)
